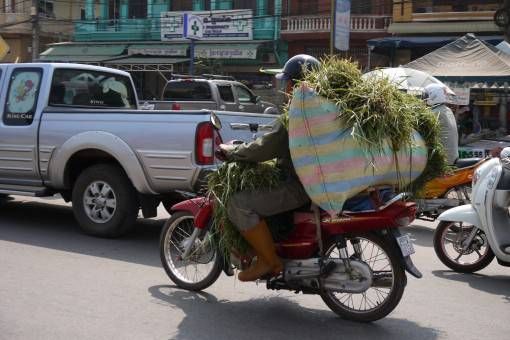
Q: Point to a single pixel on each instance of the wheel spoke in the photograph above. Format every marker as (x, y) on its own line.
(94, 188)
(111, 203)
(105, 190)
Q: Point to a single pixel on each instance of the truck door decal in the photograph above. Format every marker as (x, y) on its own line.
(22, 96)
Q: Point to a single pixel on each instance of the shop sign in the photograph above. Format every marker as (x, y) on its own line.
(226, 52)
(461, 96)
(170, 51)
(217, 25)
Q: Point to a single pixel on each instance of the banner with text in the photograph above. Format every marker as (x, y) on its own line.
(217, 25)
(342, 24)
(462, 96)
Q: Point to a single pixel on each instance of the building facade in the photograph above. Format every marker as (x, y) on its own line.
(306, 26)
(145, 37)
(421, 26)
(16, 27)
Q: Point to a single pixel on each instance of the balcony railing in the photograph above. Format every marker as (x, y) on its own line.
(321, 23)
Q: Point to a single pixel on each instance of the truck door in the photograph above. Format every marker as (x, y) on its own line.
(19, 125)
(228, 101)
(247, 100)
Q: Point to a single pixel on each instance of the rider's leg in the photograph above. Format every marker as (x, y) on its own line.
(260, 239)
(245, 210)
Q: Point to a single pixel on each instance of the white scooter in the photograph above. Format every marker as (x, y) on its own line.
(469, 236)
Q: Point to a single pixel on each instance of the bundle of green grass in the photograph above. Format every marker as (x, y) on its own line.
(375, 109)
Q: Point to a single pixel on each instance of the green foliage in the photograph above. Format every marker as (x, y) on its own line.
(223, 184)
(377, 111)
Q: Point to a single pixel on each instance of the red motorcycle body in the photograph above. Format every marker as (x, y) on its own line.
(302, 241)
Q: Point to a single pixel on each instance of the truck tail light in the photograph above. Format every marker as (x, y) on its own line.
(176, 106)
(204, 144)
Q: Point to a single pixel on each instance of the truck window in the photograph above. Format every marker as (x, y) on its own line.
(85, 88)
(187, 91)
(226, 93)
(22, 96)
(243, 94)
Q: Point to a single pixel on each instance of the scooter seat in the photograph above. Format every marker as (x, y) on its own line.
(466, 162)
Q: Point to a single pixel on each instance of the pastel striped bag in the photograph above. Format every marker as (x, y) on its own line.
(331, 165)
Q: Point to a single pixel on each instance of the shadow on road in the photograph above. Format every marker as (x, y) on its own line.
(53, 226)
(206, 317)
(497, 285)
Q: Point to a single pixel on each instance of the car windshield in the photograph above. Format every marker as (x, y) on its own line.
(188, 91)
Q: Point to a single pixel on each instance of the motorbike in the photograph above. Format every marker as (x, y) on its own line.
(446, 192)
(468, 237)
(356, 262)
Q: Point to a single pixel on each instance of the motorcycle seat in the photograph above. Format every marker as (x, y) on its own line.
(466, 162)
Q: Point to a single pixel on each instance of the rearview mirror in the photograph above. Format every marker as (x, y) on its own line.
(256, 99)
(215, 121)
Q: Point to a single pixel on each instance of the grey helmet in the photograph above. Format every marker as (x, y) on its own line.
(294, 67)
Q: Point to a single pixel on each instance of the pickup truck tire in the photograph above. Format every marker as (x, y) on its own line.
(105, 202)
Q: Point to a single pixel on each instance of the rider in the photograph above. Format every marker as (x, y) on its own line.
(248, 209)
(436, 98)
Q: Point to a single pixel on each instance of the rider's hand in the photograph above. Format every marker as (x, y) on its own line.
(223, 152)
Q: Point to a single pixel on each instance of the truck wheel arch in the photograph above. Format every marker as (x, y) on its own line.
(103, 142)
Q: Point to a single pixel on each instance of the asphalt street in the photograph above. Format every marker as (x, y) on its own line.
(56, 283)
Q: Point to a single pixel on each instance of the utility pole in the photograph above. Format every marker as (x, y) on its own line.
(34, 14)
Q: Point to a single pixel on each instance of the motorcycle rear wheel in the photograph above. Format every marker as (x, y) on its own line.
(450, 233)
(204, 255)
(376, 302)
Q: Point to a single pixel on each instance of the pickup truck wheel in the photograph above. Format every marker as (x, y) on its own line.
(104, 201)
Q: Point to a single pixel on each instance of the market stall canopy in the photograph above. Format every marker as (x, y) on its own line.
(424, 42)
(466, 57)
(406, 78)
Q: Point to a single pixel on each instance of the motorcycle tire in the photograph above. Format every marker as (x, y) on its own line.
(166, 260)
(447, 261)
(390, 247)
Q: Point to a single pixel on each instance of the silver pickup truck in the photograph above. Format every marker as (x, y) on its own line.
(77, 130)
(211, 94)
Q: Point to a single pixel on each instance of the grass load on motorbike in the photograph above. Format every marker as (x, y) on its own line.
(346, 134)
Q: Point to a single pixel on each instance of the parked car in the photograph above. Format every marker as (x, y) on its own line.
(77, 130)
(211, 93)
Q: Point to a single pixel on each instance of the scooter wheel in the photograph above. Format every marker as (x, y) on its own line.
(448, 239)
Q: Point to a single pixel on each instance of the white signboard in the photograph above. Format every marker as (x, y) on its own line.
(461, 96)
(175, 51)
(193, 26)
(217, 25)
(225, 52)
(342, 26)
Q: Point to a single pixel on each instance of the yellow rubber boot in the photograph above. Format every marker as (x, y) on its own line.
(260, 239)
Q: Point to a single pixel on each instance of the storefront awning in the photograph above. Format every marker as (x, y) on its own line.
(174, 50)
(442, 27)
(81, 53)
(226, 51)
(148, 64)
(88, 59)
(410, 42)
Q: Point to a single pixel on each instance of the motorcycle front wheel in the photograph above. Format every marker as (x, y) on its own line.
(448, 245)
(381, 254)
(202, 267)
